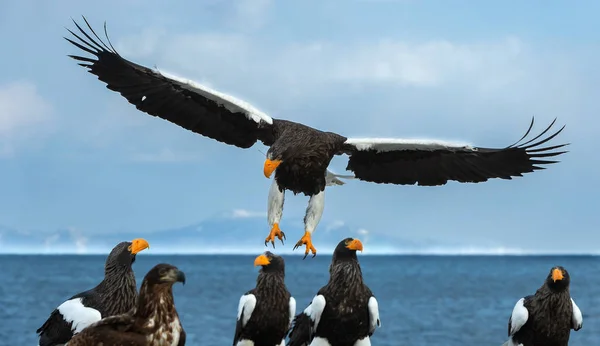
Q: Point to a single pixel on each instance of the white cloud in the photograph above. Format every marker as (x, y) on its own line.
(250, 14)
(319, 64)
(363, 231)
(165, 155)
(23, 114)
(243, 213)
(334, 225)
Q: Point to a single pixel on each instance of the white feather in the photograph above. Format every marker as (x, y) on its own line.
(319, 341)
(172, 328)
(245, 308)
(314, 311)
(374, 321)
(393, 144)
(275, 204)
(292, 307)
(510, 342)
(334, 179)
(80, 315)
(519, 316)
(231, 103)
(314, 211)
(245, 342)
(366, 341)
(577, 318)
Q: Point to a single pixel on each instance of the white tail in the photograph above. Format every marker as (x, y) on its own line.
(333, 179)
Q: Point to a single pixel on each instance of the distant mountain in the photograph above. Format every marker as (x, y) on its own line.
(223, 233)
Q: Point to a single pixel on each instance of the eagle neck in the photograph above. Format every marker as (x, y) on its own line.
(273, 283)
(345, 275)
(118, 291)
(156, 303)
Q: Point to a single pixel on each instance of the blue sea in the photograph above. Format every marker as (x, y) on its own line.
(423, 300)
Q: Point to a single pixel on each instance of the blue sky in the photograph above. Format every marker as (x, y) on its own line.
(76, 155)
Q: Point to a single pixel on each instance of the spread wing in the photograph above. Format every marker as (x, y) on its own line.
(519, 316)
(430, 163)
(374, 321)
(306, 323)
(190, 105)
(245, 309)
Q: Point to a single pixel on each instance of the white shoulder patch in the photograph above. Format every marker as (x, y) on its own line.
(229, 102)
(396, 144)
(577, 318)
(519, 316)
(374, 321)
(315, 310)
(292, 308)
(246, 307)
(80, 315)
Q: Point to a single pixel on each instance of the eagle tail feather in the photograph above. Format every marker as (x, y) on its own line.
(332, 179)
(301, 332)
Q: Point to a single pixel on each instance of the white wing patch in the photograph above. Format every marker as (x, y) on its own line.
(315, 310)
(80, 315)
(229, 102)
(292, 308)
(374, 321)
(246, 306)
(394, 144)
(519, 316)
(577, 317)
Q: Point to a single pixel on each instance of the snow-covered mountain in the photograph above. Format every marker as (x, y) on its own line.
(218, 234)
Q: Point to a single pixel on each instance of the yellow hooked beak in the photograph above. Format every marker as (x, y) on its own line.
(262, 260)
(557, 274)
(138, 245)
(270, 166)
(355, 245)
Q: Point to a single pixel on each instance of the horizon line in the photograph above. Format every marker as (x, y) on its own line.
(324, 253)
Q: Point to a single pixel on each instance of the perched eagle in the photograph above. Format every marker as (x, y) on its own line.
(116, 294)
(265, 312)
(153, 322)
(298, 154)
(547, 317)
(344, 312)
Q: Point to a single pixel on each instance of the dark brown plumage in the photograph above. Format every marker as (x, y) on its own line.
(153, 322)
(298, 154)
(547, 317)
(345, 310)
(265, 312)
(116, 294)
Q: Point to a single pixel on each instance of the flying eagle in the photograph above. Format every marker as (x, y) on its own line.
(344, 312)
(153, 322)
(265, 313)
(547, 317)
(298, 154)
(116, 294)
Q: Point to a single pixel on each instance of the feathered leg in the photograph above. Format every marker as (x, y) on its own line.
(274, 213)
(314, 211)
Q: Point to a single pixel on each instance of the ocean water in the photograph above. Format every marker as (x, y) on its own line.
(423, 300)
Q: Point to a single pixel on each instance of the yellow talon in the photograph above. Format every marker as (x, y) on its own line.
(306, 240)
(275, 232)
